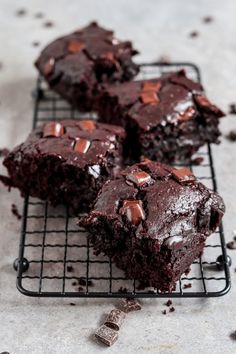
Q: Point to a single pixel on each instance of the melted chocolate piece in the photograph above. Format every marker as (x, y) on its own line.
(133, 209)
(87, 124)
(82, 145)
(75, 47)
(106, 335)
(183, 175)
(53, 129)
(139, 178)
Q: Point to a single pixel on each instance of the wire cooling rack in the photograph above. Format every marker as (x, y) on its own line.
(55, 257)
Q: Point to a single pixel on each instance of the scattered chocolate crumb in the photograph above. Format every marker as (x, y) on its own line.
(4, 152)
(168, 303)
(4, 353)
(164, 312)
(35, 43)
(207, 19)
(80, 288)
(187, 286)
(232, 135)
(231, 245)
(84, 282)
(106, 335)
(197, 160)
(39, 15)
(129, 305)
(122, 290)
(172, 309)
(72, 304)
(164, 59)
(74, 283)
(232, 108)
(48, 24)
(193, 34)
(15, 211)
(233, 335)
(21, 12)
(69, 269)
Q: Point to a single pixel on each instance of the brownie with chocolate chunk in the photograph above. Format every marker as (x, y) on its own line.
(66, 162)
(166, 119)
(153, 220)
(75, 65)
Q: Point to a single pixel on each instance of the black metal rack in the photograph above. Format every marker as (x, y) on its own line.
(52, 245)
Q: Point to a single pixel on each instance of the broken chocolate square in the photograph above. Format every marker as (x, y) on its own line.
(115, 319)
(183, 175)
(130, 305)
(106, 335)
(133, 209)
(139, 177)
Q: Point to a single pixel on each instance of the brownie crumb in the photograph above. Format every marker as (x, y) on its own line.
(168, 303)
(39, 15)
(84, 282)
(21, 12)
(193, 34)
(231, 245)
(74, 283)
(72, 304)
(197, 161)
(187, 286)
(232, 135)
(172, 309)
(122, 290)
(207, 19)
(164, 59)
(4, 152)
(35, 43)
(15, 211)
(80, 288)
(233, 335)
(164, 312)
(48, 24)
(232, 108)
(69, 269)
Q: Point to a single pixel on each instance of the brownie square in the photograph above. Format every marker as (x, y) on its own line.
(166, 119)
(66, 162)
(75, 65)
(153, 220)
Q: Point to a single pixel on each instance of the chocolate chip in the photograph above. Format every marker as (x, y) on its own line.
(231, 245)
(133, 209)
(48, 67)
(15, 211)
(106, 335)
(129, 305)
(75, 47)
(172, 309)
(232, 135)
(139, 178)
(87, 125)
(53, 129)
(115, 319)
(149, 97)
(207, 19)
(48, 24)
(168, 303)
(232, 108)
(21, 12)
(187, 286)
(82, 145)
(183, 175)
(193, 34)
(69, 269)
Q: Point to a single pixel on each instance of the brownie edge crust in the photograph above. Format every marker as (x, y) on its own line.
(66, 162)
(153, 221)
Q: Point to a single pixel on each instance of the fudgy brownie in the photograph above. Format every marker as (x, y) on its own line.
(66, 162)
(153, 221)
(74, 65)
(166, 119)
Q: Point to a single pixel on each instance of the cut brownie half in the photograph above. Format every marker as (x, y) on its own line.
(166, 119)
(153, 221)
(66, 162)
(75, 65)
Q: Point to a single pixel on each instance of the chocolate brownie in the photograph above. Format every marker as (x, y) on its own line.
(153, 220)
(66, 162)
(166, 119)
(76, 64)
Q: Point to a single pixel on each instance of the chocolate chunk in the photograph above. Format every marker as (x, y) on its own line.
(53, 129)
(82, 145)
(193, 34)
(203, 102)
(139, 178)
(87, 125)
(231, 245)
(115, 319)
(168, 303)
(232, 135)
(232, 108)
(49, 67)
(75, 47)
(129, 305)
(15, 211)
(133, 209)
(151, 86)
(186, 115)
(183, 175)
(187, 286)
(207, 19)
(106, 335)
(172, 309)
(69, 269)
(149, 97)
